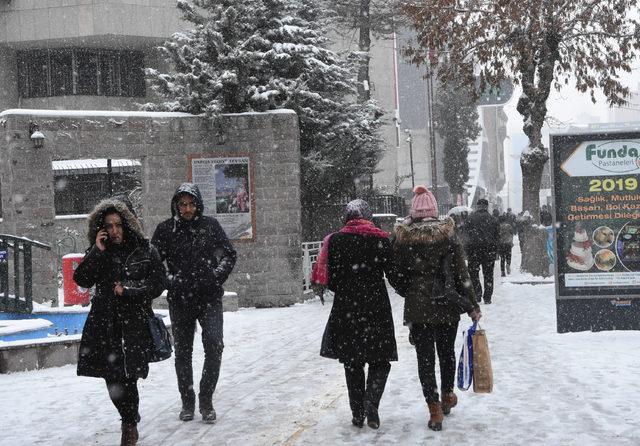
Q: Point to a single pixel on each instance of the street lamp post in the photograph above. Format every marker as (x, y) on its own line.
(410, 141)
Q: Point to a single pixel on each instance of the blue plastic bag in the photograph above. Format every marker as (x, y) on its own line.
(465, 363)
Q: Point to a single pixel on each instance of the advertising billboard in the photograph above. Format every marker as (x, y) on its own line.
(596, 185)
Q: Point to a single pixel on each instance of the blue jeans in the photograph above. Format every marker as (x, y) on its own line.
(183, 325)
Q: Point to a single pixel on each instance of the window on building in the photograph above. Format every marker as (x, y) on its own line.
(132, 73)
(109, 74)
(80, 184)
(77, 71)
(86, 68)
(61, 72)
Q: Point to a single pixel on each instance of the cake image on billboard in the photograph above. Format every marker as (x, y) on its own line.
(580, 256)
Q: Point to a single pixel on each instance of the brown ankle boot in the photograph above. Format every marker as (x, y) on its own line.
(435, 421)
(129, 434)
(449, 401)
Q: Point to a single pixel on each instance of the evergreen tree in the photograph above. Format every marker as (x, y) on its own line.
(258, 55)
(456, 121)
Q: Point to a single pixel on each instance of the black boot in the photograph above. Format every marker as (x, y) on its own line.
(186, 414)
(358, 420)
(373, 419)
(207, 411)
(354, 373)
(376, 381)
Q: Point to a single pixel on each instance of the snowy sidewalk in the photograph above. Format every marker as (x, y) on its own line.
(274, 389)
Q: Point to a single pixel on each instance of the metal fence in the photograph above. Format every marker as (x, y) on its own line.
(310, 252)
(17, 252)
(384, 204)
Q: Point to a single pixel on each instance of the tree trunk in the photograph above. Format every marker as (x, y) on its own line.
(534, 256)
(364, 45)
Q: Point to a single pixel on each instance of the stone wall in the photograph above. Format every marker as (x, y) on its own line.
(269, 268)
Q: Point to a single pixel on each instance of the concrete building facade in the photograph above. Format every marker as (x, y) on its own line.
(80, 54)
(269, 268)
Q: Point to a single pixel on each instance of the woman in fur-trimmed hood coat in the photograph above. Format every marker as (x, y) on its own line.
(116, 341)
(118, 327)
(421, 248)
(418, 248)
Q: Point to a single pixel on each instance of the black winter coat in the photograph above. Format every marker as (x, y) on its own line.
(116, 342)
(199, 255)
(360, 326)
(418, 249)
(482, 232)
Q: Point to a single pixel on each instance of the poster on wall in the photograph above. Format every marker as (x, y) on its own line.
(597, 207)
(226, 184)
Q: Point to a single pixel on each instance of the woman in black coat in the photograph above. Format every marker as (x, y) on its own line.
(127, 272)
(360, 327)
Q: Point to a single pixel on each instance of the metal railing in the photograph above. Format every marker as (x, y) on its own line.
(310, 252)
(381, 204)
(17, 250)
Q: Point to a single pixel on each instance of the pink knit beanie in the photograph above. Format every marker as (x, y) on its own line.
(424, 204)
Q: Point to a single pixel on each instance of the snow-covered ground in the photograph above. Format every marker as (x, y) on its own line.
(549, 389)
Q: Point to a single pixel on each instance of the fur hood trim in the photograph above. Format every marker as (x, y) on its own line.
(96, 219)
(428, 231)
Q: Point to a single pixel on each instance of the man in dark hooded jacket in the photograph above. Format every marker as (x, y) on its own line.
(482, 248)
(199, 258)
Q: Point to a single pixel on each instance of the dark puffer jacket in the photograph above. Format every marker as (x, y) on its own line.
(116, 342)
(482, 232)
(198, 253)
(360, 326)
(417, 252)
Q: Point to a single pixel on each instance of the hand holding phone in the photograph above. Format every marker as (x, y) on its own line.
(101, 239)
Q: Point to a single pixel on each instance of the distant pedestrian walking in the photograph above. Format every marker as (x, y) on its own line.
(505, 244)
(482, 247)
(546, 219)
(199, 258)
(128, 274)
(360, 330)
(425, 251)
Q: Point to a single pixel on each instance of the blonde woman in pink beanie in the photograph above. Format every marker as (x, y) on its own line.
(427, 259)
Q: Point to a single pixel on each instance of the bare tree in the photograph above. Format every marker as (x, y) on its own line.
(540, 44)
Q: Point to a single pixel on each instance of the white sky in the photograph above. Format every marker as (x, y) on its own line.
(572, 107)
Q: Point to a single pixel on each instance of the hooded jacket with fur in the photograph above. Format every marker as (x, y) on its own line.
(199, 255)
(116, 342)
(418, 248)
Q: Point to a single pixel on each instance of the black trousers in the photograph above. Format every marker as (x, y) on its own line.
(504, 251)
(124, 395)
(364, 395)
(485, 258)
(183, 320)
(428, 339)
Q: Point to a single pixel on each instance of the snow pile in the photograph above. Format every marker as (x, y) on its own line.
(21, 325)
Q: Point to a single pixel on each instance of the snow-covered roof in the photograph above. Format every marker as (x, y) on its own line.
(609, 127)
(121, 113)
(92, 113)
(96, 165)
